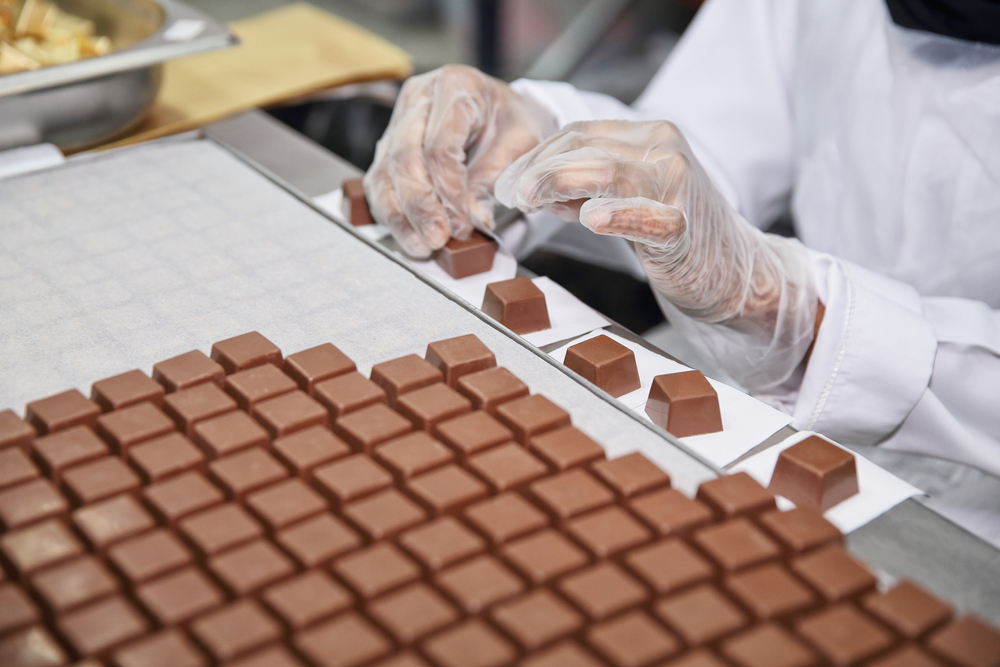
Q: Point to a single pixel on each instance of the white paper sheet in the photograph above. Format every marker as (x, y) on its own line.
(879, 489)
(746, 421)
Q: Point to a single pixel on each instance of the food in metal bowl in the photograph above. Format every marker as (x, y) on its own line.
(37, 33)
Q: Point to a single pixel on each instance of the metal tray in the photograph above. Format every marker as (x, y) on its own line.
(89, 101)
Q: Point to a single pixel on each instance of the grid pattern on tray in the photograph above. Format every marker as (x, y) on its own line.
(256, 528)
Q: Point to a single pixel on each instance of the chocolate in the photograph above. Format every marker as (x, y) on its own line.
(412, 454)
(907, 656)
(701, 615)
(187, 407)
(412, 612)
(630, 475)
(605, 363)
(68, 448)
(479, 583)
(102, 625)
(505, 517)
(834, 574)
(214, 530)
(768, 645)
(351, 478)
(246, 569)
(75, 583)
(517, 304)
(404, 374)
(306, 599)
(736, 544)
(282, 504)
(537, 618)
(770, 592)
(245, 351)
(565, 448)
(129, 426)
(309, 448)
(290, 412)
(29, 503)
(570, 494)
(908, 609)
(800, 530)
(697, 658)
(169, 647)
(563, 654)
(490, 388)
(99, 479)
(312, 366)
(461, 258)
(384, 514)
(469, 644)
(348, 392)
(441, 543)
(632, 639)
(130, 388)
(670, 512)
(188, 370)
(603, 590)
(240, 473)
(431, 405)
(459, 356)
(165, 456)
(258, 384)
(967, 642)
(318, 540)
(507, 467)
(174, 498)
(530, 416)
(367, 427)
(446, 489)
(14, 432)
(472, 433)
(62, 411)
(376, 570)
(355, 206)
(34, 646)
(177, 597)
(148, 555)
(684, 404)
(669, 565)
(843, 635)
(609, 531)
(347, 639)
(544, 555)
(815, 473)
(736, 495)
(235, 629)
(17, 611)
(112, 520)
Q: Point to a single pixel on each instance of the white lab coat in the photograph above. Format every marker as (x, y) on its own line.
(887, 143)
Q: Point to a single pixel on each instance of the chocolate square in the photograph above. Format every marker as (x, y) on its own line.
(537, 618)
(248, 568)
(178, 597)
(290, 412)
(316, 364)
(99, 479)
(507, 467)
(167, 647)
(544, 555)
(351, 478)
(459, 356)
(609, 531)
(33, 644)
(412, 454)
(317, 540)
(129, 388)
(428, 406)
(367, 427)
(563, 654)
(461, 258)
(257, 384)
(768, 645)
(800, 530)
(412, 612)
(165, 456)
(530, 416)
(505, 517)
(669, 565)
(112, 520)
(245, 351)
(27, 550)
(701, 615)
(129, 426)
(565, 448)
(631, 475)
(606, 363)
(446, 489)
(307, 598)
(384, 514)
(181, 495)
(770, 592)
(355, 206)
(735, 495)
(684, 404)
(15, 467)
(815, 473)
(398, 376)
(603, 590)
(14, 432)
(347, 393)
(469, 644)
(75, 583)
(212, 531)
(834, 574)
(517, 304)
(62, 450)
(187, 370)
(102, 625)
(632, 639)
(284, 503)
(309, 448)
(968, 642)
(908, 609)
(29, 503)
(187, 407)
(376, 570)
(571, 493)
(62, 411)
(17, 611)
(826, 630)
(472, 433)
(235, 629)
(479, 583)
(242, 472)
(149, 555)
(441, 543)
(353, 640)
(491, 388)
(736, 544)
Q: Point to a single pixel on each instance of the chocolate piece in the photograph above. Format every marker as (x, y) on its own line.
(404, 374)
(505, 517)
(507, 467)
(376, 570)
(102, 625)
(62, 450)
(566, 448)
(235, 630)
(14, 432)
(632, 639)
(62, 411)
(130, 388)
(537, 618)
(77, 582)
(670, 512)
(697, 658)
(470, 644)
(187, 407)
(307, 598)
(346, 640)
(147, 556)
(843, 635)
(701, 615)
(351, 478)
(815, 473)
(472, 433)
(428, 406)
(412, 612)
(28, 550)
(736, 544)
(669, 565)
(164, 456)
(129, 426)
(606, 363)
(214, 530)
(631, 475)
(347, 393)
(770, 592)
(544, 555)
(571, 493)
(603, 590)
(169, 648)
(285, 503)
(967, 642)
(800, 530)
(317, 540)
(834, 574)
(563, 654)
(491, 388)
(684, 404)
(446, 489)
(177, 597)
(316, 364)
(355, 206)
(907, 656)
(29, 503)
(468, 257)
(367, 427)
(290, 412)
(311, 447)
(246, 569)
(479, 583)
(245, 351)
(16, 609)
(103, 478)
(735, 495)
(240, 473)
(112, 520)
(517, 304)
(258, 384)
(187, 370)
(441, 543)
(768, 645)
(608, 532)
(459, 356)
(531, 416)
(413, 454)
(34, 647)
(179, 496)
(384, 514)
(908, 609)
(405, 659)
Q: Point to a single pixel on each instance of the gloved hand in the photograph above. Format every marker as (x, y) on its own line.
(452, 132)
(745, 299)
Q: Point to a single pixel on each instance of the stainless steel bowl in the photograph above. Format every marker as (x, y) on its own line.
(90, 101)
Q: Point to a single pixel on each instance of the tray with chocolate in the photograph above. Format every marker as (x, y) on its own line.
(254, 509)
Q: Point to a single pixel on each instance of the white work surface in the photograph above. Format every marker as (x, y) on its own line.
(120, 260)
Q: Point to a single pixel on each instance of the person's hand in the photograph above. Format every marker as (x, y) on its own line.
(746, 298)
(452, 132)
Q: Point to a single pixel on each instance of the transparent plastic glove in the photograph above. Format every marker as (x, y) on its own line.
(746, 299)
(452, 132)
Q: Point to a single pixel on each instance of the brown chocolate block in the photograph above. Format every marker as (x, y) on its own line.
(701, 615)
(907, 656)
(460, 356)
(189, 406)
(967, 642)
(491, 388)
(735, 495)
(62, 411)
(129, 426)
(472, 433)
(285, 503)
(165, 456)
(684, 404)
(384, 514)
(469, 644)
(240, 473)
(246, 569)
(736, 544)
(544, 555)
(351, 478)
(245, 351)
(312, 366)
(29, 503)
(169, 648)
(370, 426)
(347, 393)
(187, 370)
(441, 543)
(632, 639)
(257, 384)
(564, 654)
(412, 612)
(565, 448)
(479, 583)
(631, 475)
(428, 406)
(834, 574)
(112, 520)
(606, 363)
(843, 635)
(537, 618)
(404, 659)
(404, 374)
(355, 205)
(149, 555)
(174, 498)
(214, 530)
(34, 647)
(68, 448)
(304, 450)
(345, 641)
(770, 592)
(101, 626)
(517, 304)
(800, 530)
(290, 412)
(603, 590)
(768, 645)
(129, 388)
(505, 517)
(307, 598)
(28, 550)
(908, 609)
(412, 454)
(669, 566)
(507, 467)
(446, 489)
(317, 540)
(235, 630)
(697, 658)
(571, 494)
(531, 416)
(376, 570)
(77, 582)
(229, 433)
(14, 432)
(815, 473)
(468, 257)
(175, 598)
(609, 531)
(17, 611)
(99, 479)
